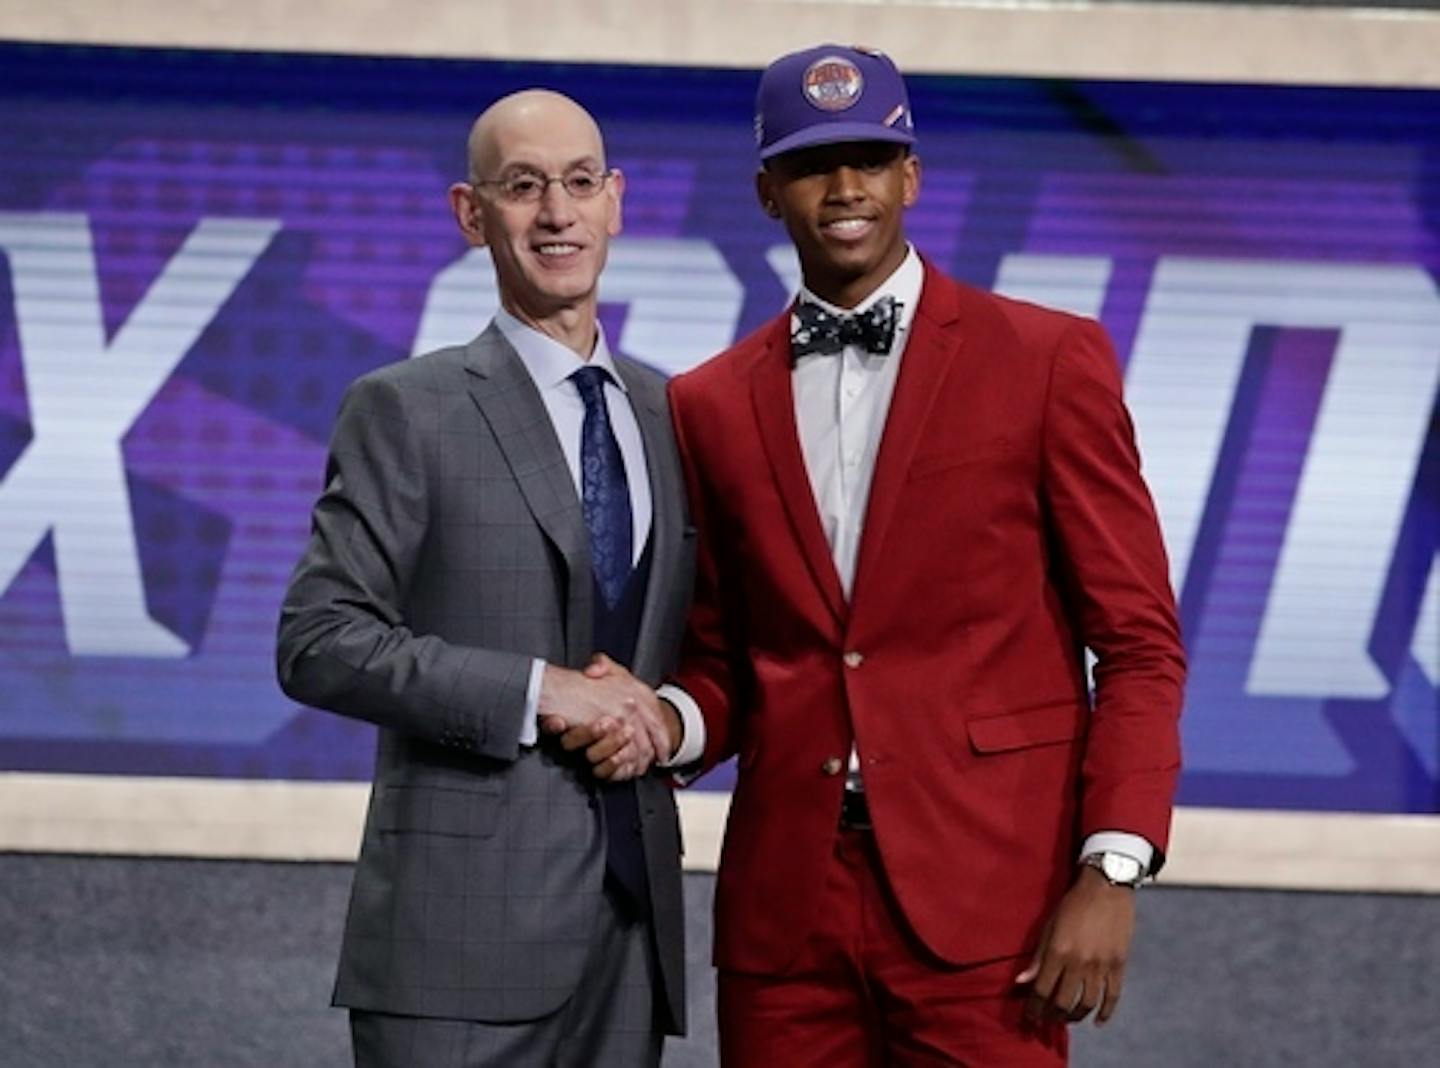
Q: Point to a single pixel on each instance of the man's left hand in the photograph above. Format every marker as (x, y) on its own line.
(609, 746)
(620, 747)
(1080, 962)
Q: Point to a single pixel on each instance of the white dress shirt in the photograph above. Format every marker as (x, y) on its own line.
(550, 365)
(841, 403)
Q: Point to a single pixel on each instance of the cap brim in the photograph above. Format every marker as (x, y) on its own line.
(837, 133)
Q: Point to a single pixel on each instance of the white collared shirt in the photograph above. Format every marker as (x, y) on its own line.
(841, 402)
(550, 365)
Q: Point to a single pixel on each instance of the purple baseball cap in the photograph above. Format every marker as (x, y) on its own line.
(829, 94)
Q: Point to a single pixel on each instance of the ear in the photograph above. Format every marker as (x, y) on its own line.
(911, 178)
(616, 193)
(464, 203)
(765, 191)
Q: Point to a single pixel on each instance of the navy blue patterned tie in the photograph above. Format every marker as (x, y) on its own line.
(605, 493)
(605, 498)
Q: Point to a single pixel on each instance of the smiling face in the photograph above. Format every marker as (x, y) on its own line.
(549, 252)
(843, 206)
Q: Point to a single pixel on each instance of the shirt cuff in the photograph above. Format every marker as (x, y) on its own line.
(1132, 845)
(692, 727)
(530, 725)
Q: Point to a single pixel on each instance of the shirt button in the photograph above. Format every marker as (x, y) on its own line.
(832, 766)
(854, 659)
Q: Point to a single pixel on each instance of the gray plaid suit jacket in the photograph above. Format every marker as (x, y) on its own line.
(447, 550)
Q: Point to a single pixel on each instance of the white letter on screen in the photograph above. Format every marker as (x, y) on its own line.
(1360, 467)
(84, 395)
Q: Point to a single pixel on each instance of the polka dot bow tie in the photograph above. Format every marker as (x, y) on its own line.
(816, 331)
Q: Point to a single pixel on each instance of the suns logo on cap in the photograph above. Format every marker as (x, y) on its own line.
(833, 83)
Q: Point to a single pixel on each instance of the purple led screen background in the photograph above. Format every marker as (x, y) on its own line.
(198, 251)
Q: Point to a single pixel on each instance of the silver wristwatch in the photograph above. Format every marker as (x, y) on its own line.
(1119, 869)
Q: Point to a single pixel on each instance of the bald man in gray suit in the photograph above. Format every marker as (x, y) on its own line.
(494, 516)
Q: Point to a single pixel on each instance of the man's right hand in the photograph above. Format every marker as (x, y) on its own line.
(610, 714)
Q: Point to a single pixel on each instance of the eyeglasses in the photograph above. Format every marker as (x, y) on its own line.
(527, 187)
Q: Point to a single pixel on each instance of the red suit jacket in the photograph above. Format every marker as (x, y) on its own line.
(1008, 527)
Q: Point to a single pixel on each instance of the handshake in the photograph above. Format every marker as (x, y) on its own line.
(617, 720)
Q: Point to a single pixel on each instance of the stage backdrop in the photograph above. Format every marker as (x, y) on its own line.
(199, 250)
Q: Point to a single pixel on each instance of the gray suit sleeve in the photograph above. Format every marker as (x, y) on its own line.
(344, 640)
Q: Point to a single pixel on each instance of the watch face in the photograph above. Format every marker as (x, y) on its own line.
(1119, 868)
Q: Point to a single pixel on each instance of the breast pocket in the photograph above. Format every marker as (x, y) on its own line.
(953, 461)
(437, 810)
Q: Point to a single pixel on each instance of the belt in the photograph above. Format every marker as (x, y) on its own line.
(855, 811)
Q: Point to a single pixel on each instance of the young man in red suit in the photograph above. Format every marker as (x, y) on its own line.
(917, 505)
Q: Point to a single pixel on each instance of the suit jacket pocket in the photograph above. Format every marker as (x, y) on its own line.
(437, 810)
(1048, 724)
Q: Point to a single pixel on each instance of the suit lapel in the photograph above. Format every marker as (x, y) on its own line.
(929, 355)
(507, 398)
(666, 518)
(773, 396)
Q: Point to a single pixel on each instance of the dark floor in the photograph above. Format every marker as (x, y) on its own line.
(123, 962)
